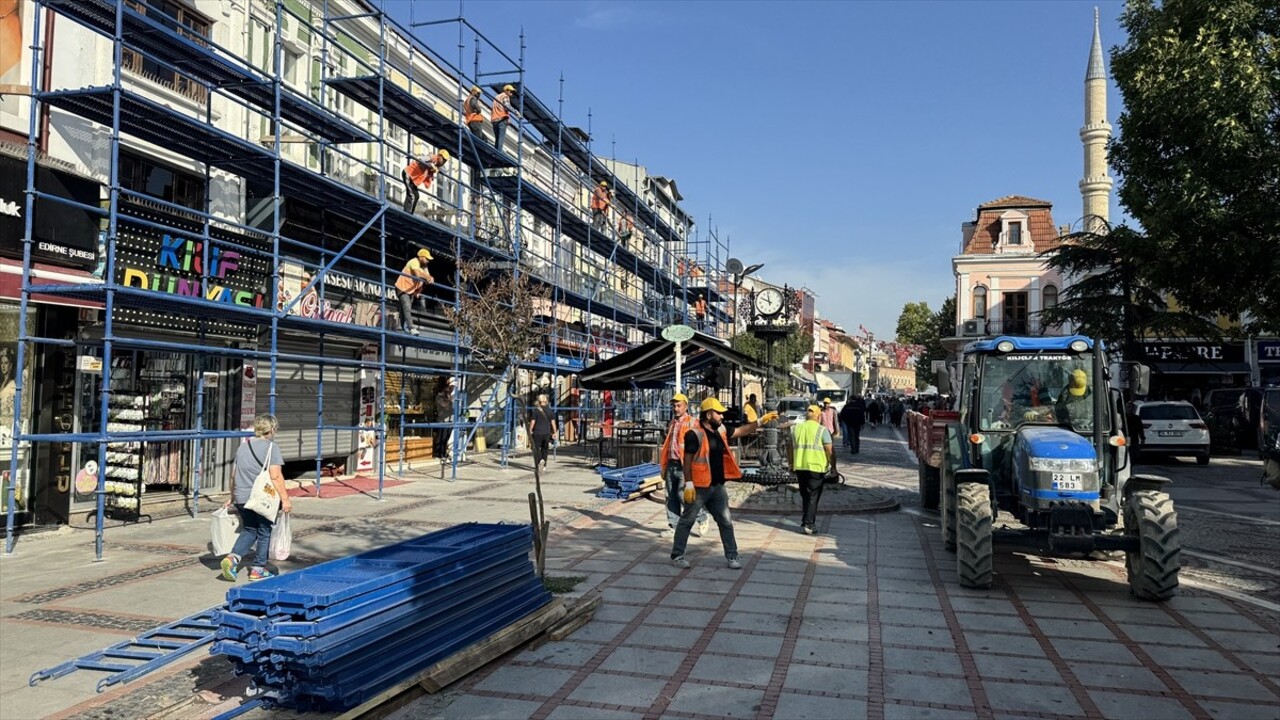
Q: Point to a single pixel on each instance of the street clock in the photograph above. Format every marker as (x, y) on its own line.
(769, 302)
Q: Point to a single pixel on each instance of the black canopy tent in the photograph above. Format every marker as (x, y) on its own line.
(653, 365)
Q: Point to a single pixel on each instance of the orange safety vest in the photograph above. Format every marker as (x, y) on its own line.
(700, 307)
(675, 439)
(472, 108)
(600, 199)
(500, 107)
(409, 281)
(702, 461)
(418, 174)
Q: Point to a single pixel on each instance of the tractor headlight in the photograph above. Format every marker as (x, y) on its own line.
(1079, 346)
(1005, 346)
(1078, 465)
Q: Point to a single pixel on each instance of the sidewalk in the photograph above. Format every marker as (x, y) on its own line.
(863, 619)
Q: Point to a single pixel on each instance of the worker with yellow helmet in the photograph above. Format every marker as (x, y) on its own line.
(473, 112)
(502, 113)
(1075, 404)
(708, 463)
(412, 281)
(811, 456)
(671, 462)
(419, 173)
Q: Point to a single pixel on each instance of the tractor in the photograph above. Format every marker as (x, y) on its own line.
(1040, 434)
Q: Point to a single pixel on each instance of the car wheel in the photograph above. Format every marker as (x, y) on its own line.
(1202, 459)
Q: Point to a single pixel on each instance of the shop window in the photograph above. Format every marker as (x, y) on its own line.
(160, 181)
(181, 20)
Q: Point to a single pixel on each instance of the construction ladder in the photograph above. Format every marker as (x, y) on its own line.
(152, 650)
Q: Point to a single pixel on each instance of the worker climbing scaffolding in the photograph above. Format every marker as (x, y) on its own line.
(601, 199)
(419, 173)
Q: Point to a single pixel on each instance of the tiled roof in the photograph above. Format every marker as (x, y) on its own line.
(1015, 201)
(981, 240)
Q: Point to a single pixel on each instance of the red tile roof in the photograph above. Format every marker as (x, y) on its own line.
(1015, 201)
(980, 237)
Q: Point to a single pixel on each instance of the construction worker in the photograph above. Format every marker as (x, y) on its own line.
(601, 199)
(413, 279)
(700, 310)
(419, 174)
(707, 465)
(501, 114)
(671, 462)
(626, 226)
(473, 112)
(810, 459)
(751, 409)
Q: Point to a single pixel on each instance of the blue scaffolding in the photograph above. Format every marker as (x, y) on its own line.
(520, 207)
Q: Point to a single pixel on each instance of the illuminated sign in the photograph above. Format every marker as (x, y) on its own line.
(179, 270)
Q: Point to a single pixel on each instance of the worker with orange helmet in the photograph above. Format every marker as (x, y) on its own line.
(501, 115)
(418, 174)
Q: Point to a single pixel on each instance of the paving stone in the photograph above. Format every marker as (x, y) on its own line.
(616, 613)
(1248, 642)
(912, 617)
(618, 689)
(1199, 602)
(627, 659)
(542, 680)
(825, 679)
(1031, 698)
(768, 590)
(647, 582)
(1239, 711)
(1075, 630)
(573, 712)
(1016, 668)
(680, 617)
(758, 622)
(1263, 663)
(628, 596)
(920, 637)
(597, 631)
(474, 707)
(696, 600)
(831, 629)
(565, 652)
(1130, 677)
(818, 707)
(838, 595)
(992, 623)
(909, 600)
(736, 643)
(926, 688)
(1235, 685)
(752, 603)
(827, 651)
(1148, 615)
(792, 579)
(1095, 651)
(1122, 706)
(982, 605)
(903, 659)
(1157, 635)
(659, 636)
(1173, 656)
(1008, 644)
(750, 671)
(854, 609)
(894, 711)
(1041, 610)
(1221, 621)
(717, 700)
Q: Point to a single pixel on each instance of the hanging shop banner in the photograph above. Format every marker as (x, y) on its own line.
(368, 411)
(347, 299)
(62, 234)
(562, 361)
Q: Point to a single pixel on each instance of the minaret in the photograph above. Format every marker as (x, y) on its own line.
(1095, 186)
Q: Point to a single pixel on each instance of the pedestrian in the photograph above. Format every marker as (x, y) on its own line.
(601, 199)
(810, 459)
(255, 530)
(419, 173)
(875, 412)
(670, 462)
(542, 427)
(700, 311)
(443, 405)
(707, 465)
(896, 411)
(413, 279)
(853, 416)
(501, 115)
(827, 416)
(751, 410)
(473, 112)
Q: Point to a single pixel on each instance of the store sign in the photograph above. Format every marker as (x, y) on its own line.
(561, 361)
(63, 234)
(347, 299)
(1193, 352)
(1268, 351)
(179, 270)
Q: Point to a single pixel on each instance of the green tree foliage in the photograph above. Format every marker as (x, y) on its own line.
(1112, 296)
(1199, 149)
(786, 352)
(941, 324)
(915, 323)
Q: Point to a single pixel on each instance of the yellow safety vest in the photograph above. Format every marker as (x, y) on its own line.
(809, 453)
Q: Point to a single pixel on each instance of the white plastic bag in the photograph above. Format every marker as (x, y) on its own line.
(263, 498)
(223, 530)
(281, 538)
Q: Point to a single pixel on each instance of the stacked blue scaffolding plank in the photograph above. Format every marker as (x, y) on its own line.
(331, 636)
(619, 483)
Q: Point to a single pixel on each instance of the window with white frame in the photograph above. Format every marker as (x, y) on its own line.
(1013, 230)
(1049, 297)
(979, 302)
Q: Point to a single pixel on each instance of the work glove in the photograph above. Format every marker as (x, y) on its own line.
(767, 418)
(690, 494)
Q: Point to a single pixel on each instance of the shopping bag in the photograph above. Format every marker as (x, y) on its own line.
(223, 530)
(281, 538)
(263, 498)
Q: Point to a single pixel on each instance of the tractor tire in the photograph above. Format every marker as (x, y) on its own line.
(929, 487)
(947, 516)
(974, 547)
(1152, 567)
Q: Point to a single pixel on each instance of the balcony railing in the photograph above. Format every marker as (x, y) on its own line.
(980, 327)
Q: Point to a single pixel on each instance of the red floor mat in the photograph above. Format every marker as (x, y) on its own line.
(333, 487)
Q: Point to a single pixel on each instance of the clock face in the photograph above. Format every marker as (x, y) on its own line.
(769, 301)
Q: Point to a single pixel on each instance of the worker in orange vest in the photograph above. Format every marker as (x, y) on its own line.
(601, 198)
(473, 112)
(626, 226)
(708, 463)
(419, 174)
(501, 115)
(671, 462)
(700, 311)
(413, 279)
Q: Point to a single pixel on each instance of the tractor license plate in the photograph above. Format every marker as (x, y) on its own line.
(1169, 433)
(1067, 481)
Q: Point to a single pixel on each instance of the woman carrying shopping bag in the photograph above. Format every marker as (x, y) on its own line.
(258, 456)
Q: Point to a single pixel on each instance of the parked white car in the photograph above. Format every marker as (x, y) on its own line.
(793, 407)
(1173, 429)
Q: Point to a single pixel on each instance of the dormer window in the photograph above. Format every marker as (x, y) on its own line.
(1013, 232)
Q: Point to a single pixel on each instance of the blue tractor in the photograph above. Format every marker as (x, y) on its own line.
(1041, 436)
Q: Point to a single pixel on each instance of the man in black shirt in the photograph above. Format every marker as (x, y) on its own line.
(707, 465)
(542, 427)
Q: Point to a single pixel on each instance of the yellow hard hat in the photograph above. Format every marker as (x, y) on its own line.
(604, 183)
(679, 397)
(425, 253)
(445, 154)
(508, 88)
(826, 401)
(475, 89)
(711, 404)
(1079, 382)
(815, 409)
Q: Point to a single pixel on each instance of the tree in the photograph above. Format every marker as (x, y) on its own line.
(941, 324)
(1113, 297)
(787, 351)
(915, 323)
(1199, 149)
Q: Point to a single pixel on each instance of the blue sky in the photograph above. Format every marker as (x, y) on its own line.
(840, 143)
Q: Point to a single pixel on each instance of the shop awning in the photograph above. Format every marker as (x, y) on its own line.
(1222, 368)
(653, 365)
